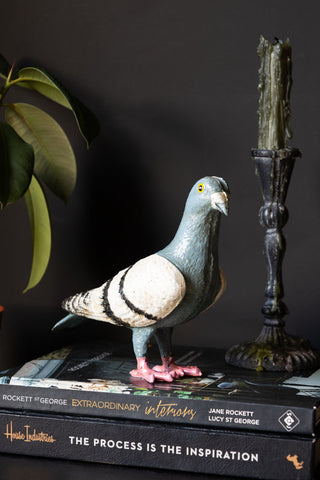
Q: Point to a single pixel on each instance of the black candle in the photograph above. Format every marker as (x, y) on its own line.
(274, 87)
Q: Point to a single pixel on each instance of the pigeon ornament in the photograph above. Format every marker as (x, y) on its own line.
(165, 289)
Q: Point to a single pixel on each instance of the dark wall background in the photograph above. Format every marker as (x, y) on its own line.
(174, 85)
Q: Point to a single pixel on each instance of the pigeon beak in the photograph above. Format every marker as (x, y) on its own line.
(220, 202)
(223, 208)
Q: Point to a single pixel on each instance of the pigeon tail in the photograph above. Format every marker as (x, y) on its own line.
(69, 321)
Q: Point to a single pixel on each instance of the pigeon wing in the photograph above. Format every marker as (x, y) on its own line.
(147, 292)
(138, 296)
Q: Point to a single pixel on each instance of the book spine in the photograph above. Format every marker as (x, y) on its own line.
(158, 446)
(231, 413)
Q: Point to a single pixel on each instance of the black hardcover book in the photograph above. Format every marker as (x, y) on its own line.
(156, 445)
(94, 380)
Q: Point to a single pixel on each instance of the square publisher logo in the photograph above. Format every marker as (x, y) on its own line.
(289, 420)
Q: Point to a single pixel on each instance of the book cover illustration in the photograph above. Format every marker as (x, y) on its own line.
(94, 380)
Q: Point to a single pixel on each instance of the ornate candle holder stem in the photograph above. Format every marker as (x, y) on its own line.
(274, 349)
(274, 169)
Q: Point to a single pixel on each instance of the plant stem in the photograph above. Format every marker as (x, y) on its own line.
(9, 83)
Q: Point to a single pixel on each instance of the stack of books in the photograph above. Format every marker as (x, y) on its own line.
(80, 403)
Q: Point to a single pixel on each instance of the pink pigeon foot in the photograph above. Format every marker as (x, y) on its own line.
(177, 371)
(144, 371)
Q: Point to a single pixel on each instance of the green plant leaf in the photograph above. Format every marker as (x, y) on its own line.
(16, 165)
(55, 162)
(4, 67)
(41, 231)
(43, 82)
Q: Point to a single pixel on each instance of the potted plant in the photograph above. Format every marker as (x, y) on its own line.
(35, 153)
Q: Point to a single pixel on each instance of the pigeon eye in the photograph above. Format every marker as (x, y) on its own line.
(200, 187)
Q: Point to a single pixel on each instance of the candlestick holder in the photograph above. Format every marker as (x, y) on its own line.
(274, 349)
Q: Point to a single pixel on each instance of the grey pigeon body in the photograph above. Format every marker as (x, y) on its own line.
(165, 289)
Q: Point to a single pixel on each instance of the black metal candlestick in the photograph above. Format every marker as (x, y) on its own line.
(274, 349)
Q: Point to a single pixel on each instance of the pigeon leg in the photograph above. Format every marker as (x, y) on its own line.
(140, 339)
(163, 337)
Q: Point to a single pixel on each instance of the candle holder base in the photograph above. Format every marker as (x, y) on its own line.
(274, 350)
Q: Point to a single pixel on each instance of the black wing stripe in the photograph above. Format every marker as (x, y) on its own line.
(107, 309)
(132, 307)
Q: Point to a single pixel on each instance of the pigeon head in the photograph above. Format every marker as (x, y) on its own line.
(210, 192)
